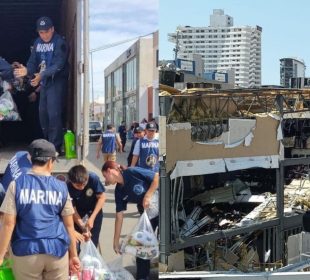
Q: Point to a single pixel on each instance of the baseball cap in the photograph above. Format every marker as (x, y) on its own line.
(42, 148)
(138, 129)
(44, 23)
(151, 126)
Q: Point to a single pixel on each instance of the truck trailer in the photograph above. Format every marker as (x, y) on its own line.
(18, 31)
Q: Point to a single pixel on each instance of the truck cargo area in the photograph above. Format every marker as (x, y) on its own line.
(18, 32)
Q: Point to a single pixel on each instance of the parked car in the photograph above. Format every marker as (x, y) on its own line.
(95, 131)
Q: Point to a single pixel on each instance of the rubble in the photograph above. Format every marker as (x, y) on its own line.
(233, 143)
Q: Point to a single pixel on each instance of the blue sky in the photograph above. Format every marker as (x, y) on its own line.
(113, 21)
(285, 27)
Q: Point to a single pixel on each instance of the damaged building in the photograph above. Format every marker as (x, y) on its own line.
(235, 174)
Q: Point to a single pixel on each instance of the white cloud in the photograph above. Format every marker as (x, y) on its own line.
(113, 21)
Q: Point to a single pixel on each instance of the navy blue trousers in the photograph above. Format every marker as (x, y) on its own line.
(51, 110)
(95, 231)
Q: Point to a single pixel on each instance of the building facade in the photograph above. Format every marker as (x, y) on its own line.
(131, 83)
(223, 46)
(96, 111)
(290, 69)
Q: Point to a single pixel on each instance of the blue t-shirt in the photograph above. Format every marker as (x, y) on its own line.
(137, 181)
(85, 200)
(18, 165)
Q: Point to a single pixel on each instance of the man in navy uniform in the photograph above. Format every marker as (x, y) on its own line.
(122, 130)
(146, 150)
(133, 185)
(6, 74)
(19, 164)
(6, 70)
(107, 144)
(88, 197)
(38, 220)
(138, 133)
(48, 67)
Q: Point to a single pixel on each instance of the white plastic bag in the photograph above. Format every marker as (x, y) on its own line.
(153, 209)
(142, 241)
(119, 272)
(8, 109)
(93, 266)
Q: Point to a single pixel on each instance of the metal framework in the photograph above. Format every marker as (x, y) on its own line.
(279, 229)
(245, 102)
(196, 105)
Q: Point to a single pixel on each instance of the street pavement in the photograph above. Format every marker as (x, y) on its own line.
(130, 218)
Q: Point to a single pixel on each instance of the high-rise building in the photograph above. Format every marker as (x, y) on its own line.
(223, 46)
(291, 68)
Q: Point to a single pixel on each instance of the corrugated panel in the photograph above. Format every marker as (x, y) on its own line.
(18, 25)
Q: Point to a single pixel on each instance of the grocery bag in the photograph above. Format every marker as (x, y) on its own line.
(6, 272)
(120, 273)
(142, 241)
(93, 265)
(8, 108)
(153, 210)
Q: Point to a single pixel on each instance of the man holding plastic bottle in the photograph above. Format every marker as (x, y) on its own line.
(88, 197)
(133, 185)
(48, 67)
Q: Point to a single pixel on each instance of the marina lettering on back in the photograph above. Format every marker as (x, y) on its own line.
(108, 135)
(14, 168)
(40, 197)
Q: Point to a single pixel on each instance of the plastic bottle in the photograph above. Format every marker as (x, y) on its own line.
(85, 230)
(42, 66)
(85, 220)
(70, 151)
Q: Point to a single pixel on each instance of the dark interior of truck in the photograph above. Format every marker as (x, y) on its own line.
(18, 32)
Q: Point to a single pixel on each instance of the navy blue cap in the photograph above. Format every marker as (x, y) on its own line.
(151, 126)
(42, 148)
(44, 23)
(138, 129)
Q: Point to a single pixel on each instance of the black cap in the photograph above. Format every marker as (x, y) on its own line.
(151, 126)
(42, 148)
(44, 23)
(138, 129)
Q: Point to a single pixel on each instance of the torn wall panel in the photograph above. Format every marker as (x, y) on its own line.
(180, 146)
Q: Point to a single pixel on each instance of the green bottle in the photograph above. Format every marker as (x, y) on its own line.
(70, 151)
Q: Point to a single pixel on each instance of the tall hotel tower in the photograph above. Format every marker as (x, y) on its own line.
(223, 46)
